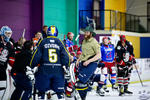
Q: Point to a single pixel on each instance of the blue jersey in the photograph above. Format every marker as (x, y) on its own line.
(51, 54)
(108, 53)
(69, 43)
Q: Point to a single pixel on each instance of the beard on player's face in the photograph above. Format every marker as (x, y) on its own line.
(87, 35)
(70, 37)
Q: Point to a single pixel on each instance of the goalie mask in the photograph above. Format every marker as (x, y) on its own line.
(6, 32)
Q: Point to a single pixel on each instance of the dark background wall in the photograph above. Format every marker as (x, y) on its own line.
(20, 14)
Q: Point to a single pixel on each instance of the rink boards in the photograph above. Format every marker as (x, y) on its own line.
(143, 66)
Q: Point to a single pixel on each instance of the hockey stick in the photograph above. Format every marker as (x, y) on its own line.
(138, 75)
(77, 37)
(23, 34)
(72, 75)
(9, 84)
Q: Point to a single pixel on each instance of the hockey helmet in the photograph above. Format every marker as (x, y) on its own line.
(73, 53)
(52, 31)
(79, 52)
(75, 47)
(122, 38)
(69, 34)
(104, 38)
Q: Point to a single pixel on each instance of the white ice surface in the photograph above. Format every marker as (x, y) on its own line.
(113, 95)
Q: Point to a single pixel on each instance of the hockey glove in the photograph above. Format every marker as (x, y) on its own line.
(129, 63)
(132, 59)
(29, 73)
(121, 63)
(101, 65)
(123, 68)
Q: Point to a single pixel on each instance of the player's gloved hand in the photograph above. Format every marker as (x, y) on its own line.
(123, 68)
(35, 69)
(29, 73)
(129, 63)
(132, 59)
(101, 65)
(67, 75)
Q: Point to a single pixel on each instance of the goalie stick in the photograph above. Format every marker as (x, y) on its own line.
(73, 80)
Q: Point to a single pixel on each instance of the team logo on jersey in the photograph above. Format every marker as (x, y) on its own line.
(3, 55)
(126, 56)
(118, 47)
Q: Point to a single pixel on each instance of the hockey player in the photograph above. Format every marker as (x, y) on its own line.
(6, 51)
(108, 55)
(19, 72)
(68, 42)
(52, 55)
(69, 87)
(90, 55)
(124, 59)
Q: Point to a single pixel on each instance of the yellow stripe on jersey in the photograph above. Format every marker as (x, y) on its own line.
(35, 52)
(51, 37)
(66, 51)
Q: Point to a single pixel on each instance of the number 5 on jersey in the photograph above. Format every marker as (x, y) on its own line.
(52, 55)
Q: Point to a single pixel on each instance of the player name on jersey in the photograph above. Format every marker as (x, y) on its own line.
(52, 46)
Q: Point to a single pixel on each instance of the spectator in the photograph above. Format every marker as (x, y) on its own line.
(37, 37)
(44, 31)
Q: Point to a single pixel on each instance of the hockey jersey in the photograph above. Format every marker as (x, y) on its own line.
(6, 53)
(123, 53)
(51, 54)
(68, 43)
(107, 53)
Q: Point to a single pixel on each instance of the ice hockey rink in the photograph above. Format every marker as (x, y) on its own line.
(139, 93)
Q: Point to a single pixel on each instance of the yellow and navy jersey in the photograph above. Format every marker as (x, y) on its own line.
(50, 52)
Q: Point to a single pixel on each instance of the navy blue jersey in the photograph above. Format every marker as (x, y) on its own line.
(50, 52)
